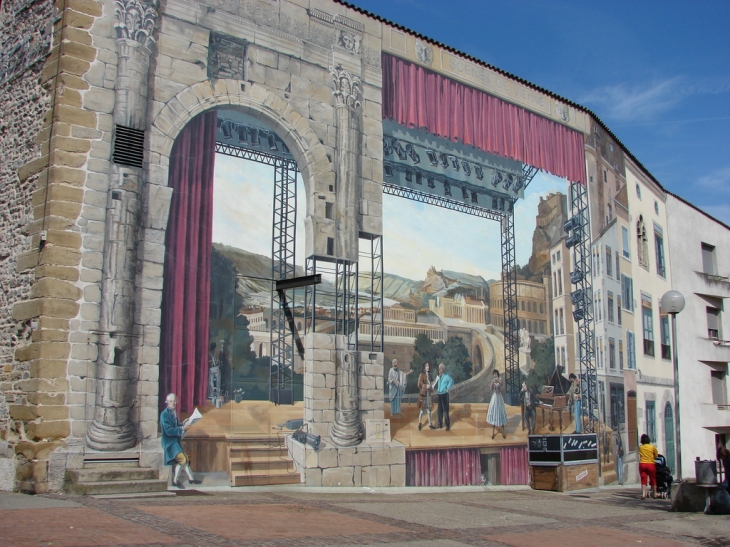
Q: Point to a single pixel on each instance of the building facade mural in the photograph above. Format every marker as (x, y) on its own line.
(202, 155)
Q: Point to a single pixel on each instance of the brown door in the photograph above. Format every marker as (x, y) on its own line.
(631, 422)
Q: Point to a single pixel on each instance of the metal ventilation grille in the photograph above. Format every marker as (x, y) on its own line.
(128, 146)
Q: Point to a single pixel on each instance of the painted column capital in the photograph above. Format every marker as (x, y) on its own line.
(135, 20)
(347, 87)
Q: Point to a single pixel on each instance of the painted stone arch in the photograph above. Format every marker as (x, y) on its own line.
(170, 119)
(252, 99)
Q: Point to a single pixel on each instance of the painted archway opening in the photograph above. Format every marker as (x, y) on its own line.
(233, 229)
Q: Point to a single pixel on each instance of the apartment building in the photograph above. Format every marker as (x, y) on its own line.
(650, 407)
(699, 265)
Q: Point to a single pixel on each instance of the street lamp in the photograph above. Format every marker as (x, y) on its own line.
(673, 302)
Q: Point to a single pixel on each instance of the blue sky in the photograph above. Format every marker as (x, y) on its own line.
(657, 73)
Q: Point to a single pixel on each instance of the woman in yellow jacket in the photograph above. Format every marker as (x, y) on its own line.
(647, 467)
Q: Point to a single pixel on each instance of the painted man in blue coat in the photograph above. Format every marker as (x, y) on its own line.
(172, 432)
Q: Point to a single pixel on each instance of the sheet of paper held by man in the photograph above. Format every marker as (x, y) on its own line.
(194, 417)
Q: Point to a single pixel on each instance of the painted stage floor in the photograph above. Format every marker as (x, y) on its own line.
(468, 427)
(257, 419)
(247, 419)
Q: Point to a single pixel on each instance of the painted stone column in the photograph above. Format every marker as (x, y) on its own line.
(347, 428)
(112, 428)
(348, 149)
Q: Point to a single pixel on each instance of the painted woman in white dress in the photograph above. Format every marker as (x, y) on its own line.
(497, 415)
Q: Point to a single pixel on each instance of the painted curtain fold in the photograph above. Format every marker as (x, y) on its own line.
(514, 468)
(446, 467)
(416, 97)
(188, 246)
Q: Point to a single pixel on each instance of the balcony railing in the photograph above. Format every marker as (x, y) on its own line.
(713, 334)
(649, 347)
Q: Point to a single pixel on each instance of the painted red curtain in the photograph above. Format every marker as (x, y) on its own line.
(416, 97)
(188, 242)
(447, 467)
(513, 465)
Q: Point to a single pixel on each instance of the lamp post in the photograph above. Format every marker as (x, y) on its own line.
(673, 302)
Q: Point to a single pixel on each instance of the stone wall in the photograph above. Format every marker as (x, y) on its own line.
(72, 137)
(25, 40)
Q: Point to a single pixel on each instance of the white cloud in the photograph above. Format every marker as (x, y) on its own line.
(717, 181)
(644, 101)
(625, 102)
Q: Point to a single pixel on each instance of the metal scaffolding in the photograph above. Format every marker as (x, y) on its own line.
(370, 332)
(582, 299)
(509, 296)
(283, 265)
(283, 251)
(332, 306)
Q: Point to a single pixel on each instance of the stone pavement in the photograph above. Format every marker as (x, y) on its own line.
(346, 517)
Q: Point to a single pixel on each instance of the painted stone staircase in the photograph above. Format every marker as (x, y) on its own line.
(113, 476)
(260, 461)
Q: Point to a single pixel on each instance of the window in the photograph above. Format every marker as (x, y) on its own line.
(659, 247)
(553, 259)
(609, 303)
(612, 353)
(598, 306)
(523, 305)
(542, 308)
(620, 354)
(618, 266)
(625, 241)
(564, 358)
(638, 191)
(605, 176)
(713, 323)
(562, 322)
(647, 322)
(627, 292)
(617, 406)
(560, 281)
(651, 420)
(642, 247)
(719, 387)
(664, 333)
(609, 262)
(631, 350)
(708, 259)
(558, 255)
(600, 352)
(555, 284)
(618, 309)
(656, 207)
